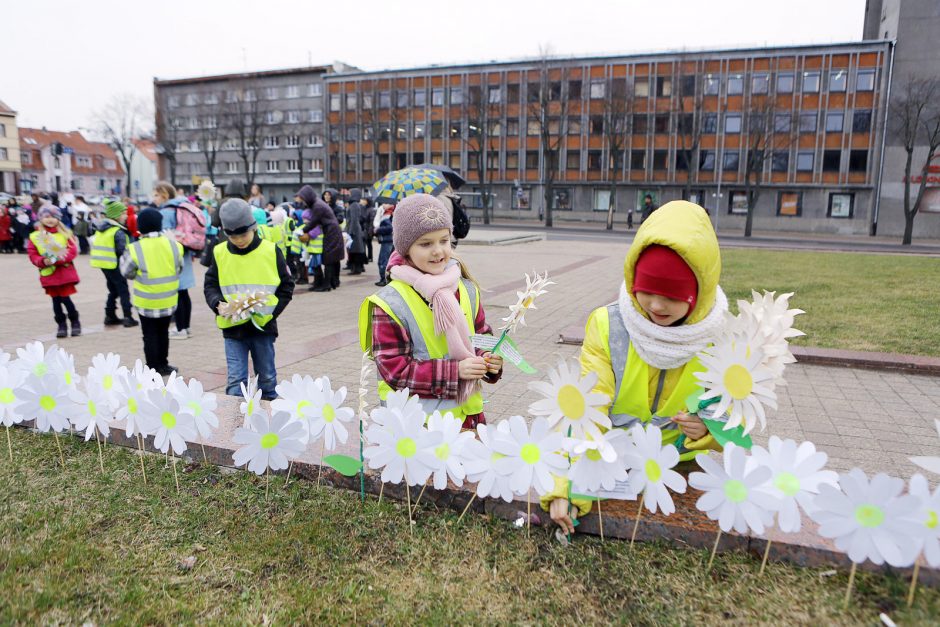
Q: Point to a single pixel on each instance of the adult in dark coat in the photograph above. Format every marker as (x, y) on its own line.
(368, 225)
(320, 215)
(357, 247)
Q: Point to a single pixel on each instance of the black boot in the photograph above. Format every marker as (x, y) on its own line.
(63, 330)
(111, 319)
(128, 321)
(76, 325)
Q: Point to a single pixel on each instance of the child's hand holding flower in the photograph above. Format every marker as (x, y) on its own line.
(494, 363)
(691, 425)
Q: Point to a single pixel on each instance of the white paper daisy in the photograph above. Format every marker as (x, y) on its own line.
(327, 415)
(47, 400)
(199, 404)
(11, 379)
(569, 402)
(398, 402)
(870, 520)
(144, 377)
(35, 360)
(62, 364)
(930, 464)
(599, 462)
(270, 443)
(734, 372)
(534, 287)
(531, 457)
(252, 402)
(295, 397)
(91, 414)
(481, 461)
(402, 448)
(105, 373)
(450, 452)
(171, 428)
(770, 324)
(796, 474)
(132, 396)
(651, 468)
(929, 514)
(732, 494)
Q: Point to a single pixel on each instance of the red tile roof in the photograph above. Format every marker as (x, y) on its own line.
(147, 148)
(35, 139)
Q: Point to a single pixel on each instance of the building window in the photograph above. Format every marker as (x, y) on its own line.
(351, 163)
(784, 83)
(351, 101)
(231, 167)
(561, 198)
(293, 117)
(595, 160)
(230, 144)
(314, 89)
(494, 95)
(780, 161)
(834, 122)
(781, 123)
(804, 161)
(173, 101)
(385, 99)
(336, 102)
(661, 123)
(760, 83)
(735, 84)
(808, 122)
(316, 165)
(512, 127)
(520, 198)
(315, 141)
(292, 141)
(316, 115)
(437, 129)
(858, 161)
(352, 132)
(663, 87)
(731, 160)
(660, 159)
(437, 97)
(601, 200)
(596, 125)
(574, 91)
(531, 159)
(733, 123)
(712, 84)
(3, 130)
(710, 123)
(421, 97)
(272, 141)
(840, 205)
(401, 98)
(193, 147)
(293, 165)
(3, 154)
(861, 121)
(640, 124)
(512, 160)
(838, 79)
(638, 160)
(26, 158)
(495, 128)
(641, 88)
(706, 160)
(810, 82)
(532, 127)
(454, 160)
(598, 89)
(367, 100)
(335, 134)
(456, 95)
(473, 160)
(687, 86)
(737, 202)
(292, 91)
(272, 166)
(573, 160)
(789, 204)
(865, 80)
(270, 93)
(419, 130)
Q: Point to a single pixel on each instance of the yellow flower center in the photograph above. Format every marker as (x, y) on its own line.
(530, 454)
(406, 447)
(787, 483)
(68, 377)
(92, 409)
(132, 405)
(6, 396)
(107, 382)
(40, 369)
(442, 452)
(300, 407)
(735, 491)
(269, 440)
(329, 413)
(196, 407)
(496, 457)
(931, 520)
(251, 406)
(47, 403)
(527, 302)
(571, 402)
(869, 515)
(168, 420)
(738, 382)
(593, 454)
(653, 471)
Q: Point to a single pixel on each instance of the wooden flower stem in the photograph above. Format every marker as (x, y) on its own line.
(59, 445)
(763, 563)
(9, 444)
(420, 494)
(711, 559)
(913, 589)
(408, 493)
(289, 468)
(636, 523)
(267, 482)
(100, 458)
(528, 512)
(466, 508)
(143, 471)
(175, 475)
(600, 519)
(381, 490)
(320, 467)
(848, 588)
(204, 458)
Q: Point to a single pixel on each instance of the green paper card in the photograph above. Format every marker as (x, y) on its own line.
(343, 464)
(736, 435)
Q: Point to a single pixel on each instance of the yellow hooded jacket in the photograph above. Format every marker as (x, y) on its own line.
(685, 228)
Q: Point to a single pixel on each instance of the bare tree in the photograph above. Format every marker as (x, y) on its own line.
(618, 108)
(480, 114)
(120, 122)
(167, 135)
(212, 128)
(688, 109)
(247, 119)
(546, 108)
(397, 115)
(303, 131)
(769, 128)
(916, 121)
(372, 131)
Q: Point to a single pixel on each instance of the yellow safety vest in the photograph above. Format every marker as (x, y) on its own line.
(274, 234)
(631, 375)
(156, 286)
(240, 275)
(102, 249)
(400, 301)
(36, 238)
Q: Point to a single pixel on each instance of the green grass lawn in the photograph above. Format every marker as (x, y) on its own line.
(76, 546)
(853, 301)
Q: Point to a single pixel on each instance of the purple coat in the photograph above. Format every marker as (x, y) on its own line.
(320, 215)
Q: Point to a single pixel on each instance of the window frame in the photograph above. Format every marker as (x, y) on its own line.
(840, 216)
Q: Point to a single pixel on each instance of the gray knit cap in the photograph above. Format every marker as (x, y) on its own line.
(416, 215)
(236, 216)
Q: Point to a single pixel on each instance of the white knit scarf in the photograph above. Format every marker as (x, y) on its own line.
(670, 347)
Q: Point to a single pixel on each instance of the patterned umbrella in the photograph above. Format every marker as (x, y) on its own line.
(395, 186)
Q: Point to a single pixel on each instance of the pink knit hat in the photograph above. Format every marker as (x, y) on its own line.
(416, 215)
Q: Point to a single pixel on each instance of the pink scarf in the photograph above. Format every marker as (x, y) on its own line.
(440, 291)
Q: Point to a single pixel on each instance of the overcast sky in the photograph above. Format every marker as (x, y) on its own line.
(64, 59)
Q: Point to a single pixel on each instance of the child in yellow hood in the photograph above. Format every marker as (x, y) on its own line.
(643, 346)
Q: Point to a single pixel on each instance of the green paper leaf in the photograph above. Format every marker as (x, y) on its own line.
(511, 353)
(736, 435)
(694, 404)
(343, 464)
(587, 497)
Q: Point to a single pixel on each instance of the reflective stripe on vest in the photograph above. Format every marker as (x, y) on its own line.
(631, 377)
(156, 286)
(240, 275)
(36, 238)
(400, 301)
(102, 249)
